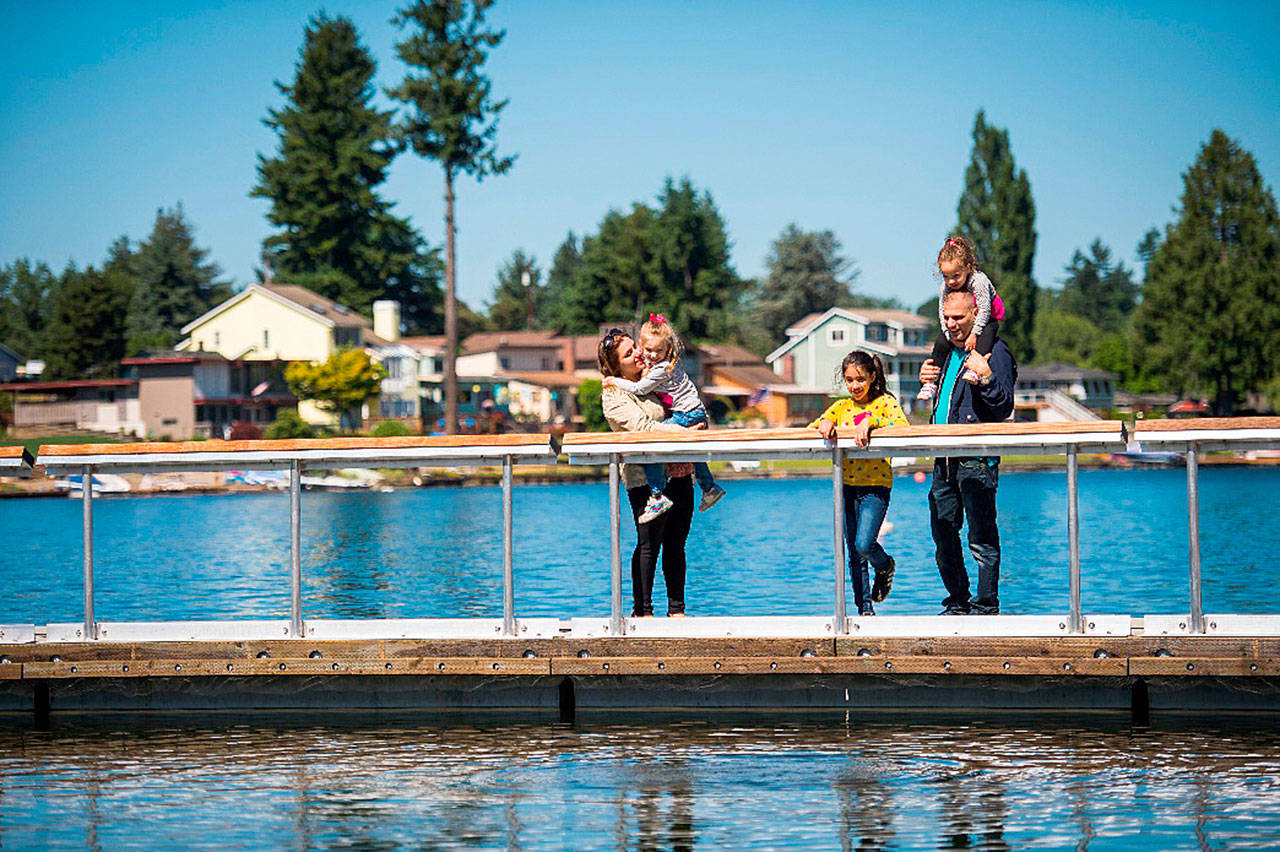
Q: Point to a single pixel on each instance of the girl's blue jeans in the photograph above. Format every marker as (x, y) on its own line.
(655, 473)
(864, 510)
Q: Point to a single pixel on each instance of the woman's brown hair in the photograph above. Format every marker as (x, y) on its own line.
(607, 351)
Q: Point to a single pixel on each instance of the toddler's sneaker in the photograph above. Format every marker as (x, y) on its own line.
(710, 497)
(658, 503)
(884, 582)
(927, 391)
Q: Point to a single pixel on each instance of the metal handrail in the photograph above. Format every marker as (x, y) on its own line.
(297, 456)
(1069, 439)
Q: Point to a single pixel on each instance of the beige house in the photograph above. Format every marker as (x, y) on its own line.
(281, 322)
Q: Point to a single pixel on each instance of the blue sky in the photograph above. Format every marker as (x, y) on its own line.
(853, 117)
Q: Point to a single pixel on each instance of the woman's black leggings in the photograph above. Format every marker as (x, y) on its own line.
(666, 534)
(986, 342)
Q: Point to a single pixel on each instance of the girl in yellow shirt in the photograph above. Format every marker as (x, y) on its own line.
(866, 481)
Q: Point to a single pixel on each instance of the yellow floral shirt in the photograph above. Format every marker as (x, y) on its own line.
(845, 413)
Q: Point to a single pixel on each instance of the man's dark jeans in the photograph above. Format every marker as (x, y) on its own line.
(965, 489)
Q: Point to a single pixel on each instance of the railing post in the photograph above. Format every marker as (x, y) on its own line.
(1075, 620)
(837, 485)
(295, 550)
(615, 545)
(90, 625)
(1193, 532)
(508, 546)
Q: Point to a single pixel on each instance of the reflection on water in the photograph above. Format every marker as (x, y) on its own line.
(384, 783)
(766, 549)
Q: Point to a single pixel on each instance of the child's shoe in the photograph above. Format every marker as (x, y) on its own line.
(927, 392)
(658, 503)
(884, 582)
(710, 497)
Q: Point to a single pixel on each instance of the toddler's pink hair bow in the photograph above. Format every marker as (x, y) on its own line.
(658, 318)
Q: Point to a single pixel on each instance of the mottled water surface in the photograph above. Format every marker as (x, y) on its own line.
(830, 783)
(765, 549)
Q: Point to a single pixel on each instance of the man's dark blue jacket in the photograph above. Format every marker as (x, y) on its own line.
(990, 403)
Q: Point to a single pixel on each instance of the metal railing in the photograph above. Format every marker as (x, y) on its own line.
(1065, 439)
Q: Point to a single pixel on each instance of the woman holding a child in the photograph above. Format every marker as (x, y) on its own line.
(619, 357)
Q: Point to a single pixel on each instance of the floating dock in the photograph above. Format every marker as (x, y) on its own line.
(1070, 662)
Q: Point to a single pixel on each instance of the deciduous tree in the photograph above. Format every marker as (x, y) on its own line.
(453, 120)
(806, 274)
(516, 305)
(339, 385)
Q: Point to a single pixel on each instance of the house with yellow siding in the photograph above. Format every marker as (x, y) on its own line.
(280, 322)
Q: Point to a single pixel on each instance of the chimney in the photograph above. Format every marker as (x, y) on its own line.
(386, 319)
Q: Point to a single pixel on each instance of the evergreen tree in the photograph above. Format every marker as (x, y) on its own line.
(453, 121)
(336, 235)
(555, 312)
(1096, 288)
(174, 282)
(996, 212)
(25, 291)
(85, 334)
(618, 275)
(698, 288)
(516, 305)
(1210, 313)
(806, 275)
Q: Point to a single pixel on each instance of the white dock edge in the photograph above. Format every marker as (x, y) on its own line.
(17, 634)
(431, 628)
(1214, 625)
(172, 631)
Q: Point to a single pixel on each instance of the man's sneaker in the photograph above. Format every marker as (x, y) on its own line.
(954, 610)
(658, 503)
(710, 497)
(927, 391)
(866, 609)
(884, 581)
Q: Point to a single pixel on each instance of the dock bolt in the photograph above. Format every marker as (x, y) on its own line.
(1007, 665)
(282, 667)
(529, 654)
(124, 668)
(773, 665)
(1101, 654)
(1164, 652)
(264, 655)
(583, 654)
(716, 664)
(6, 660)
(888, 665)
(807, 652)
(1066, 667)
(75, 669)
(1253, 667)
(1191, 667)
(864, 652)
(315, 655)
(947, 665)
(177, 667)
(661, 666)
(55, 659)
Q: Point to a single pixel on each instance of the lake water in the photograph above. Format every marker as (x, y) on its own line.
(822, 781)
(765, 549)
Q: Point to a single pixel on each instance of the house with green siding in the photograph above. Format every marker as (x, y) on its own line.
(817, 344)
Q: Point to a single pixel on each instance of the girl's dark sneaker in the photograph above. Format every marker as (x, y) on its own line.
(884, 581)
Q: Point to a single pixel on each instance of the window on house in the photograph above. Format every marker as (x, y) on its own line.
(835, 336)
(877, 332)
(393, 368)
(217, 339)
(504, 362)
(346, 336)
(266, 338)
(546, 363)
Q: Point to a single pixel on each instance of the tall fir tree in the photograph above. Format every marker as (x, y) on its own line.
(996, 212)
(515, 304)
(336, 234)
(452, 120)
(25, 291)
(85, 333)
(174, 282)
(1210, 313)
(805, 274)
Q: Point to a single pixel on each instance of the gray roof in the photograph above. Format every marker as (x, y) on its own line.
(1059, 371)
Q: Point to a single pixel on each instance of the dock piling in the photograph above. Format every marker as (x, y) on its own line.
(90, 625)
(508, 548)
(295, 550)
(615, 546)
(1193, 534)
(837, 501)
(1075, 620)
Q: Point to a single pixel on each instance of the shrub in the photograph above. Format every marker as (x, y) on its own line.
(289, 424)
(390, 429)
(243, 430)
(589, 406)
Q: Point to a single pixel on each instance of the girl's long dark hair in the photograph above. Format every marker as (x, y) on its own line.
(870, 364)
